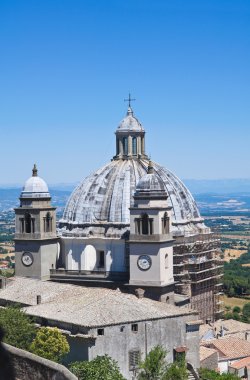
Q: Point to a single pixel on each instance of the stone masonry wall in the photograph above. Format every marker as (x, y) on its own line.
(211, 362)
(28, 366)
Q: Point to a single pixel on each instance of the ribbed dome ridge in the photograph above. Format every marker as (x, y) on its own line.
(106, 195)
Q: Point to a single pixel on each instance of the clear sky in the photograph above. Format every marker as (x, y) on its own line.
(66, 66)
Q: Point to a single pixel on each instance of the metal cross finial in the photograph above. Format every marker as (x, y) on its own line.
(129, 100)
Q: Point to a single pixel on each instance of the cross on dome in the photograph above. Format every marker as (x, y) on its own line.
(129, 100)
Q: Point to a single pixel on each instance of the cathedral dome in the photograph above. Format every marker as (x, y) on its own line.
(101, 203)
(35, 187)
(104, 198)
(130, 123)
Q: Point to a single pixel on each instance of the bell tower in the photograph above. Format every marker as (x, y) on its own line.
(151, 242)
(36, 242)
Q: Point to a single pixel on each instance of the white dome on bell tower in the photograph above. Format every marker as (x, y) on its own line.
(35, 187)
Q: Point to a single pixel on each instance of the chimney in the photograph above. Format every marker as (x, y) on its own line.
(139, 293)
(247, 336)
(38, 299)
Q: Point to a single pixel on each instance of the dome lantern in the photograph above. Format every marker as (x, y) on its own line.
(130, 136)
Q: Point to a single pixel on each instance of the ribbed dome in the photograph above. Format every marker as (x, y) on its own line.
(35, 187)
(130, 123)
(106, 195)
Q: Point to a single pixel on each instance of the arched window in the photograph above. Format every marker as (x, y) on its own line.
(134, 145)
(165, 224)
(166, 260)
(28, 226)
(48, 222)
(125, 145)
(145, 224)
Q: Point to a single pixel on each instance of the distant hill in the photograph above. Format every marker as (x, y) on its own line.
(9, 198)
(214, 197)
(218, 186)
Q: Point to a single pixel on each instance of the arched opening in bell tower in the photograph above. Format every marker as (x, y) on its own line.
(145, 223)
(28, 223)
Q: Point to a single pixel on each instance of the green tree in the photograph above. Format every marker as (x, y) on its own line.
(231, 292)
(228, 315)
(50, 343)
(176, 371)
(154, 366)
(100, 368)
(206, 374)
(236, 316)
(246, 311)
(19, 330)
(236, 309)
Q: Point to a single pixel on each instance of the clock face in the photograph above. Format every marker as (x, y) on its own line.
(144, 262)
(27, 259)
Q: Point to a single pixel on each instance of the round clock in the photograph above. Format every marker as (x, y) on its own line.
(144, 262)
(27, 259)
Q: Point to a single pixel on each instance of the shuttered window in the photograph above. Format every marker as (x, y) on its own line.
(134, 359)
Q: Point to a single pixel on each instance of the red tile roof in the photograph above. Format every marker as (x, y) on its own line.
(241, 363)
(230, 348)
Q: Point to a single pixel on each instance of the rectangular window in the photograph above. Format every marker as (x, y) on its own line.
(100, 331)
(134, 359)
(134, 327)
(192, 328)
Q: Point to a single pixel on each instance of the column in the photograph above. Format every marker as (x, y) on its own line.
(143, 144)
(120, 147)
(129, 145)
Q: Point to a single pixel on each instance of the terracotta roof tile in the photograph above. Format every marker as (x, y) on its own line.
(205, 352)
(231, 347)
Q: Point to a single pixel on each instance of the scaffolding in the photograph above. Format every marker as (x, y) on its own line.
(198, 269)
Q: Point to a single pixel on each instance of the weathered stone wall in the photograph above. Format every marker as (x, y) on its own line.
(211, 362)
(119, 340)
(28, 366)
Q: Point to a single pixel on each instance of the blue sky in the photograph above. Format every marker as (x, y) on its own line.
(66, 66)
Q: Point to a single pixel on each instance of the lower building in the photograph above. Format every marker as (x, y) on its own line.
(100, 321)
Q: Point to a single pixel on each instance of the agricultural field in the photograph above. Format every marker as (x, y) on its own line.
(234, 301)
(232, 254)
